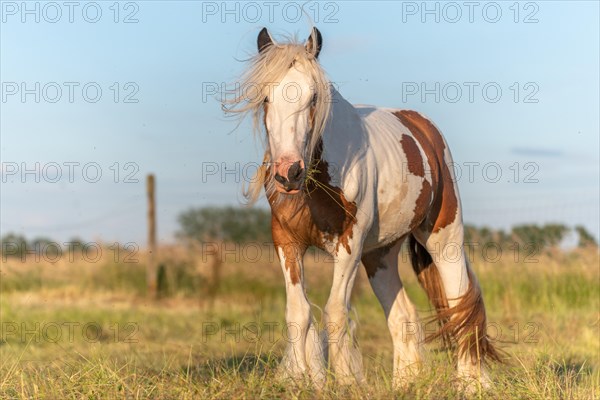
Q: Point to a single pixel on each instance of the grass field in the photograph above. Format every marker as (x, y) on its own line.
(74, 330)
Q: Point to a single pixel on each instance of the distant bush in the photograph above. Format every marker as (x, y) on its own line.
(227, 224)
(542, 237)
(14, 245)
(585, 238)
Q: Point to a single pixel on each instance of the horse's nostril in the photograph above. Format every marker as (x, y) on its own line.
(299, 174)
(295, 171)
(280, 179)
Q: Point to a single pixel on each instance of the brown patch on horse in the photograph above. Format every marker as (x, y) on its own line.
(462, 326)
(413, 156)
(314, 217)
(445, 204)
(331, 212)
(292, 250)
(373, 260)
(421, 205)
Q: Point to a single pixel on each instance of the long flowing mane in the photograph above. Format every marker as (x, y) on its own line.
(266, 69)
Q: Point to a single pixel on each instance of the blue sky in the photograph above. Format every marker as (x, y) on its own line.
(541, 133)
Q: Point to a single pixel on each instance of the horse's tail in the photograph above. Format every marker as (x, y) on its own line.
(463, 325)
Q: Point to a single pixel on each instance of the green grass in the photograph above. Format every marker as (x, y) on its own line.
(544, 314)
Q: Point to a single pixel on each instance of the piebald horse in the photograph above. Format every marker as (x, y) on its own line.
(357, 181)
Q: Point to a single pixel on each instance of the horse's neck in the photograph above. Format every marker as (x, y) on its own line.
(343, 136)
(341, 109)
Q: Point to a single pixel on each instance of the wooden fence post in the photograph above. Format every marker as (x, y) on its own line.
(151, 272)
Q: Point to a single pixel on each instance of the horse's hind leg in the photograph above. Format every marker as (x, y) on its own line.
(382, 269)
(454, 290)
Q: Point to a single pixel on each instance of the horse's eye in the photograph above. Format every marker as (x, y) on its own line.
(266, 100)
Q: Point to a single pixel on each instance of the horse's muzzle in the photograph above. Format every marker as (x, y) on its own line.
(293, 179)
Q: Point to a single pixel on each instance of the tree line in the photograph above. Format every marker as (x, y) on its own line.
(242, 225)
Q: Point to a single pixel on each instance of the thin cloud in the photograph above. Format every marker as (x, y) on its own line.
(536, 152)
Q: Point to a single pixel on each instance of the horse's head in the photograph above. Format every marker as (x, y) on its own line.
(290, 108)
(286, 92)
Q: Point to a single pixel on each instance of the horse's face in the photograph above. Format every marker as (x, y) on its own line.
(288, 123)
(289, 120)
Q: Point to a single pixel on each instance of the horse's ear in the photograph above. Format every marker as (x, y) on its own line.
(264, 40)
(314, 42)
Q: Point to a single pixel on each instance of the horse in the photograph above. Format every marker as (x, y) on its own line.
(358, 181)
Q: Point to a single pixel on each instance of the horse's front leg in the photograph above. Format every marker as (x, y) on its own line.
(344, 355)
(304, 357)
